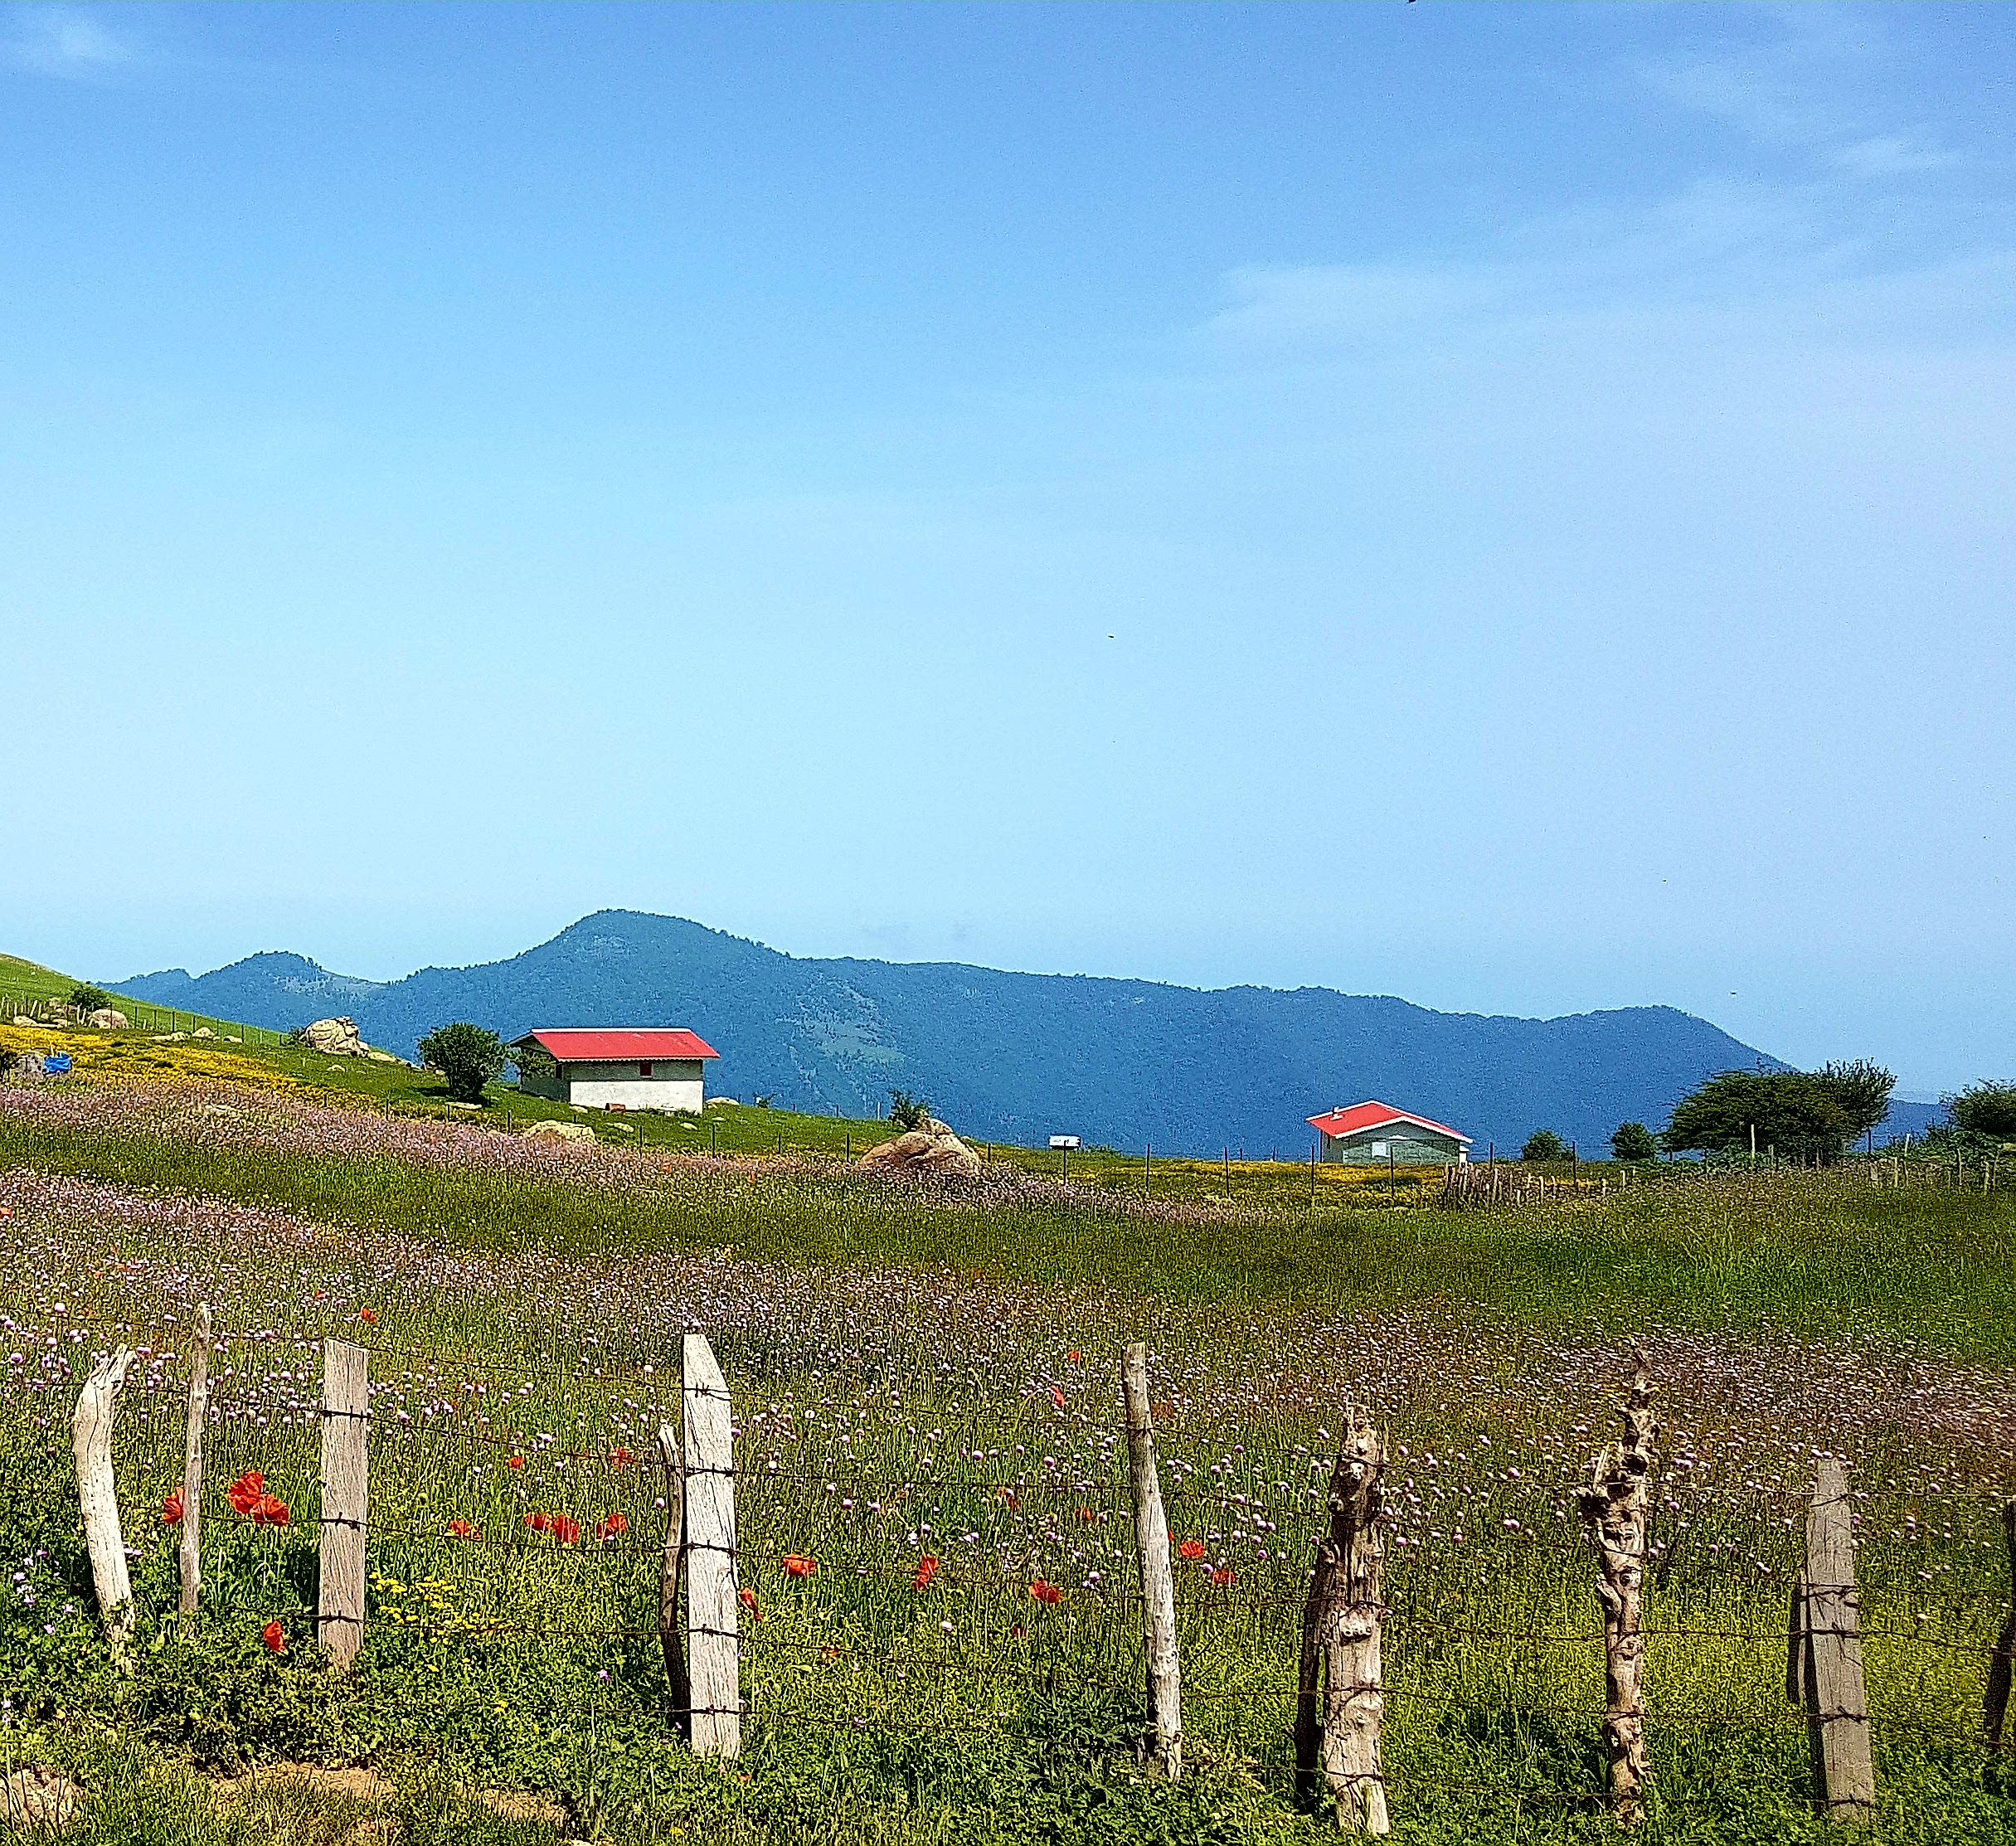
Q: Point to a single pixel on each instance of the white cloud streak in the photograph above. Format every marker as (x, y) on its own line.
(66, 41)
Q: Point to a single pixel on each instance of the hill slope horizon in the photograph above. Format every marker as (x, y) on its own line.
(1016, 1056)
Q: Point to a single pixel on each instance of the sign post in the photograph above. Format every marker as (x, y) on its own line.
(1064, 1143)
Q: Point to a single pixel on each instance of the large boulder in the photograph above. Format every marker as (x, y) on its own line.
(933, 1149)
(106, 1019)
(560, 1131)
(333, 1038)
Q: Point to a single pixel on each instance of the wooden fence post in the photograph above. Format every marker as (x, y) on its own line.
(1828, 1653)
(670, 1638)
(712, 1647)
(1341, 1636)
(1151, 1538)
(346, 1499)
(190, 1554)
(1615, 1508)
(2002, 1663)
(90, 1429)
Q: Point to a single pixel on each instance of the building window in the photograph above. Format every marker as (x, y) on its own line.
(643, 1070)
(1378, 1150)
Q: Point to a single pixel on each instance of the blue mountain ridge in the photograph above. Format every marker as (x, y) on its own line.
(1013, 1056)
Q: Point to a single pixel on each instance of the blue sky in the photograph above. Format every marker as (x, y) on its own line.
(1505, 506)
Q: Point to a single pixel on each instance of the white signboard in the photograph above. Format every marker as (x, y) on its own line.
(1064, 1141)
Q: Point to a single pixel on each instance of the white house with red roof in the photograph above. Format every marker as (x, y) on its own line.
(1375, 1133)
(619, 1067)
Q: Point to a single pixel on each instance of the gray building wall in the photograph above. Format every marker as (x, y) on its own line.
(1410, 1146)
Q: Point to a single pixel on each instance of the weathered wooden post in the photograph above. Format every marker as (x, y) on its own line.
(1616, 1509)
(713, 1650)
(1827, 1654)
(90, 1431)
(1341, 1639)
(2002, 1663)
(346, 1499)
(670, 1638)
(1151, 1538)
(190, 1554)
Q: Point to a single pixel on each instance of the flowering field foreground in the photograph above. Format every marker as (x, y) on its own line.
(941, 1620)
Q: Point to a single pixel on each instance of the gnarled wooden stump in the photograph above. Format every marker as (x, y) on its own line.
(1616, 1507)
(1340, 1639)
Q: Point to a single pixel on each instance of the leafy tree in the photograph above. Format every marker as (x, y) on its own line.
(1544, 1145)
(534, 1060)
(1862, 1088)
(1988, 1109)
(1633, 1141)
(1797, 1112)
(89, 999)
(468, 1055)
(907, 1112)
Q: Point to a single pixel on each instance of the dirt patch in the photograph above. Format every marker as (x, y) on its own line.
(360, 1784)
(38, 1800)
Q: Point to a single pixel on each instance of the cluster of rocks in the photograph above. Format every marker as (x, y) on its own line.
(61, 1013)
(339, 1038)
(930, 1148)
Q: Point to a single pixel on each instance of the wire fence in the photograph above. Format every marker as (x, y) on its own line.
(905, 1566)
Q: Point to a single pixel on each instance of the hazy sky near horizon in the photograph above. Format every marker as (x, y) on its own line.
(1507, 505)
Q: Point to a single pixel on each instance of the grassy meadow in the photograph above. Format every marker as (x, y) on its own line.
(941, 1628)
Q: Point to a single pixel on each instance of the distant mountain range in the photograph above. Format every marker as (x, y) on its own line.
(1016, 1058)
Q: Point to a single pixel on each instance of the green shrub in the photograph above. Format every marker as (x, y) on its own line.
(89, 999)
(1544, 1145)
(1988, 1109)
(907, 1112)
(467, 1055)
(1633, 1141)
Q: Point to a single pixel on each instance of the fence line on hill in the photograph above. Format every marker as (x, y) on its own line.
(141, 1016)
(700, 1556)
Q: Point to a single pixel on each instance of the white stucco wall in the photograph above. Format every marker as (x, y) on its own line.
(675, 1085)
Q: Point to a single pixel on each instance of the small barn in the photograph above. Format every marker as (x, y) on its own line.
(616, 1067)
(1369, 1133)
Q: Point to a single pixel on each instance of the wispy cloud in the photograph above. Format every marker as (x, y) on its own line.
(1798, 88)
(67, 41)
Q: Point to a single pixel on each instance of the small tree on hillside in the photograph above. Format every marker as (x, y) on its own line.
(468, 1055)
(1633, 1141)
(907, 1112)
(1988, 1109)
(1863, 1090)
(1544, 1145)
(89, 999)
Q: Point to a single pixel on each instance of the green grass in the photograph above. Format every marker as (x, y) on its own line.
(911, 1365)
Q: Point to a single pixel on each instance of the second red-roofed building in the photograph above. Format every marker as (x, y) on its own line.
(616, 1067)
(1374, 1134)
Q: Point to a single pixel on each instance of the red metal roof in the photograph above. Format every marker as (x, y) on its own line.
(1362, 1115)
(620, 1044)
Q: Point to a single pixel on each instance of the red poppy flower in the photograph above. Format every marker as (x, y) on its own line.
(566, 1531)
(536, 1522)
(171, 1509)
(1072, 1356)
(461, 1528)
(1057, 1396)
(621, 1457)
(1223, 1580)
(1190, 1549)
(927, 1568)
(246, 1492)
(747, 1598)
(796, 1566)
(613, 1527)
(516, 1461)
(1085, 1515)
(367, 1317)
(1048, 1594)
(276, 1638)
(268, 1510)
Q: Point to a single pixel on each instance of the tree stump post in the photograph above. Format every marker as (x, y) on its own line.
(1341, 1640)
(90, 1429)
(713, 1648)
(1151, 1535)
(2002, 1663)
(346, 1500)
(190, 1552)
(1830, 1650)
(670, 1637)
(1616, 1507)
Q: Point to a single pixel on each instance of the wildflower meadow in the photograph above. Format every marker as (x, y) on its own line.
(940, 1603)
